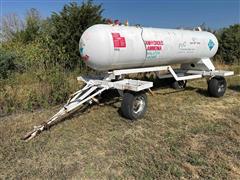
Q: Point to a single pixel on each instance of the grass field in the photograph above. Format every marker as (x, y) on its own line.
(185, 134)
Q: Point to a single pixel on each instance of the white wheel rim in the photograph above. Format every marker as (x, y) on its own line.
(221, 87)
(138, 105)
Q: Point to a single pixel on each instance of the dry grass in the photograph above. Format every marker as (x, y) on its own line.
(185, 134)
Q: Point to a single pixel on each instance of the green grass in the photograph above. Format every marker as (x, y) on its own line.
(184, 134)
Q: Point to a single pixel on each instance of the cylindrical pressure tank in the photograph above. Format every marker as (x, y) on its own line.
(108, 47)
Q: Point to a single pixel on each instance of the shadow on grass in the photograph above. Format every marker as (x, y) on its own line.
(200, 91)
(171, 92)
(162, 83)
(166, 83)
(234, 87)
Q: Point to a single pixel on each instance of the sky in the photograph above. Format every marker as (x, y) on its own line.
(150, 13)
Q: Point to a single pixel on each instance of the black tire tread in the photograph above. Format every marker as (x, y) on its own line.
(127, 103)
(176, 85)
(213, 87)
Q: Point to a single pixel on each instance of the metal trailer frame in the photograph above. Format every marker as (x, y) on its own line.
(115, 80)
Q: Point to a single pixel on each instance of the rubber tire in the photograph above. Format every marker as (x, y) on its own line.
(213, 86)
(179, 84)
(127, 105)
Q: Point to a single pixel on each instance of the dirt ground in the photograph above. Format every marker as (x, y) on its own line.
(184, 134)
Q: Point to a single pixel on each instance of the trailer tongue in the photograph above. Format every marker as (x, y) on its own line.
(76, 101)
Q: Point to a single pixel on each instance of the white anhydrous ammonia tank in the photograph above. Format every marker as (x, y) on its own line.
(108, 47)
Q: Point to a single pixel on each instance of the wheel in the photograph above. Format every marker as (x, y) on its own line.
(179, 84)
(134, 105)
(217, 86)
